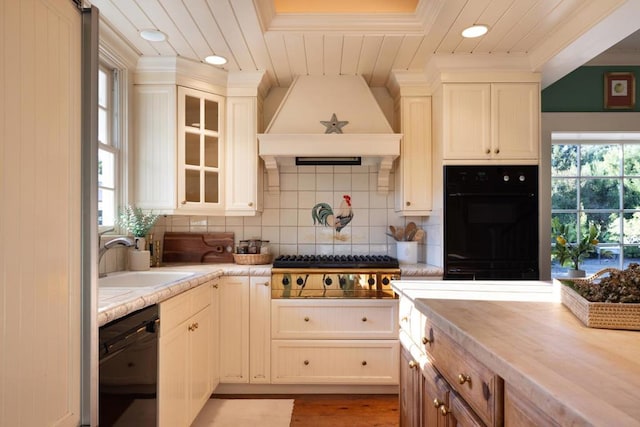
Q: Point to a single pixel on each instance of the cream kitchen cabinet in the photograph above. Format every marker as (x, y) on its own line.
(179, 150)
(334, 341)
(184, 356)
(244, 169)
(491, 121)
(200, 151)
(245, 340)
(413, 167)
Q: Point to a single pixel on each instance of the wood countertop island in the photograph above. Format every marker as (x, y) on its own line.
(571, 374)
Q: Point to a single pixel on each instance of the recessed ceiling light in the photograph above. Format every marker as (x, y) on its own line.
(153, 35)
(475, 31)
(215, 60)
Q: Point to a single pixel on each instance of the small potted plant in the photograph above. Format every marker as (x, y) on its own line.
(138, 223)
(573, 254)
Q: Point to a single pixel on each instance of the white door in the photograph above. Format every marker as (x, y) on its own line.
(40, 241)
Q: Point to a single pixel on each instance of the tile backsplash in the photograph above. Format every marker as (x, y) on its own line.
(287, 223)
(286, 219)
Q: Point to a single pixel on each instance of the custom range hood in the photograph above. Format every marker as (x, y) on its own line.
(329, 120)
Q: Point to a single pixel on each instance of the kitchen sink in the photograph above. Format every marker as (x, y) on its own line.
(142, 279)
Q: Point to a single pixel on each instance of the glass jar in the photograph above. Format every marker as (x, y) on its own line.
(264, 247)
(243, 247)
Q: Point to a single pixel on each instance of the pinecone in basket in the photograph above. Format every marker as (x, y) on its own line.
(622, 286)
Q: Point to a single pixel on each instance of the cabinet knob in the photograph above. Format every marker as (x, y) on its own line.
(413, 364)
(464, 378)
(364, 363)
(192, 327)
(408, 203)
(250, 204)
(364, 319)
(425, 340)
(215, 286)
(497, 151)
(184, 202)
(306, 362)
(306, 318)
(266, 284)
(488, 151)
(437, 403)
(444, 411)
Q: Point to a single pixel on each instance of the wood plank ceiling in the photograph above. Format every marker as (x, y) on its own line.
(255, 35)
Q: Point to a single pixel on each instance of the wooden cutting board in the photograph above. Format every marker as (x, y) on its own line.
(206, 248)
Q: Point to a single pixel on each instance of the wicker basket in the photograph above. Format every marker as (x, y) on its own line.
(602, 315)
(252, 259)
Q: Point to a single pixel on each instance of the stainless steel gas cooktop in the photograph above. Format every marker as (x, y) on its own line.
(334, 276)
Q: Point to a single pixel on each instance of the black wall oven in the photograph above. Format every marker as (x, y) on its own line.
(491, 222)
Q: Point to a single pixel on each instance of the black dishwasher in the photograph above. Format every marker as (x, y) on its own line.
(128, 376)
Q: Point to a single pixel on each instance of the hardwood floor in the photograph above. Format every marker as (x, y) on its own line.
(339, 410)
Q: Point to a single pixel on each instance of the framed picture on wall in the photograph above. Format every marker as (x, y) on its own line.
(619, 91)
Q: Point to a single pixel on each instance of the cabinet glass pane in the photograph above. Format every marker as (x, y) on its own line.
(211, 187)
(192, 149)
(211, 151)
(211, 115)
(191, 111)
(192, 186)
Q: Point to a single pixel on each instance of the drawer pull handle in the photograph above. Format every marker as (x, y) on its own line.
(306, 318)
(464, 378)
(444, 411)
(426, 340)
(364, 319)
(413, 364)
(364, 363)
(436, 403)
(306, 362)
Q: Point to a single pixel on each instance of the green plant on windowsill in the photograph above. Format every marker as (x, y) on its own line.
(136, 221)
(572, 254)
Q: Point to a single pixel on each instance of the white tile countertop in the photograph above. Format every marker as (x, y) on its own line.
(116, 302)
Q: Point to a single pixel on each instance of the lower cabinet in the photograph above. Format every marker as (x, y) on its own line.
(410, 384)
(520, 411)
(334, 341)
(441, 385)
(245, 332)
(184, 356)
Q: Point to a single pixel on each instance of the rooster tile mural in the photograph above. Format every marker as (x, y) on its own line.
(323, 214)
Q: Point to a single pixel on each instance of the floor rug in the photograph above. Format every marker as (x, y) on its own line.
(245, 413)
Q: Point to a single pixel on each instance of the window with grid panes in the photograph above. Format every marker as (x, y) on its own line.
(595, 178)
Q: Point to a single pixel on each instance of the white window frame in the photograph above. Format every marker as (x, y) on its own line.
(120, 129)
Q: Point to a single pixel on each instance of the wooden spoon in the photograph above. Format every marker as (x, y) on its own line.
(419, 235)
(411, 229)
(399, 234)
(393, 231)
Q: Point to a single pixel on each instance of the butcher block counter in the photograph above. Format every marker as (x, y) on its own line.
(548, 360)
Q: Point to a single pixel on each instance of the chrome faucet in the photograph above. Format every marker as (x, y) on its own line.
(118, 241)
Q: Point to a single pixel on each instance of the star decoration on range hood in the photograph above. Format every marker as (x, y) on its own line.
(334, 125)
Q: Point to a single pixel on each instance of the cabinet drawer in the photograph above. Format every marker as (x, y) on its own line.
(359, 319)
(480, 387)
(334, 362)
(179, 308)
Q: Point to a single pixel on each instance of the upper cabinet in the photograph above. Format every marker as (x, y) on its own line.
(200, 151)
(195, 139)
(413, 167)
(491, 121)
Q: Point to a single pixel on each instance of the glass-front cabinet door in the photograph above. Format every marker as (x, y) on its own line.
(200, 150)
